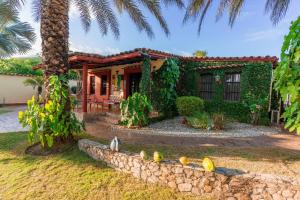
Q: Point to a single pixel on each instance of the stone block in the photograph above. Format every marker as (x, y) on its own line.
(184, 187)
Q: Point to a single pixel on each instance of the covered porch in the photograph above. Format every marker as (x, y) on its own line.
(105, 80)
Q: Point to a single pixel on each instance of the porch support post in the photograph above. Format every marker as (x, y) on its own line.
(84, 88)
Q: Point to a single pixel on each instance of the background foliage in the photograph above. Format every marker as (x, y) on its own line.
(164, 92)
(255, 81)
(287, 76)
(21, 66)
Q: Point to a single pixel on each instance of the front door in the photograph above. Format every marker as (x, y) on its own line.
(134, 83)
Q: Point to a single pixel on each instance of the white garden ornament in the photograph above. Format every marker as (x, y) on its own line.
(114, 145)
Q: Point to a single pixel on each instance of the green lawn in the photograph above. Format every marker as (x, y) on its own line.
(73, 175)
(69, 175)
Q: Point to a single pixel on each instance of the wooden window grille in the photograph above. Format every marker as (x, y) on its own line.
(206, 86)
(232, 88)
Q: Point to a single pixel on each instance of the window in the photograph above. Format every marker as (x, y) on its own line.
(232, 87)
(92, 84)
(206, 82)
(103, 85)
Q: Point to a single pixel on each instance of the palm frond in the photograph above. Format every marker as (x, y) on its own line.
(84, 11)
(234, 10)
(105, 16)
(178, 3)
(278, 9)
(21, 29)
(193, 9)
(135, 14)
(7, 12)
(36, 9)
(208, 3)
(154, 7)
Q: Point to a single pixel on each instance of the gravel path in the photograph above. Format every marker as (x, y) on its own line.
(175, 127)
(9, 121)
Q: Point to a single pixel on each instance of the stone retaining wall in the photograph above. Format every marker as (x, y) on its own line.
(193, 179)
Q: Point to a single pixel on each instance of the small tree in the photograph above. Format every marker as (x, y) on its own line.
(200, 53)
(287, 76)
(35, 82)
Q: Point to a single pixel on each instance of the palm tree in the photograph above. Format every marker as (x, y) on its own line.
(199, 8)
(200, 53)
(15, 36)
(35, 82)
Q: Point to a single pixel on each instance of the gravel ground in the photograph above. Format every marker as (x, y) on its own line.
(9, 121)
(235, 129)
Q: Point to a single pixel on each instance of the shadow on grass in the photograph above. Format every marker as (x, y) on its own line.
(15, 144)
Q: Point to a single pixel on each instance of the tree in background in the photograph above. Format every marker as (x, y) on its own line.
(15, 36)
(198, 9)
(287, 74)
(21, 66)
(35, 82)
(200, 53)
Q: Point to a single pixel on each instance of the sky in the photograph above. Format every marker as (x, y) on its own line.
(253, 34)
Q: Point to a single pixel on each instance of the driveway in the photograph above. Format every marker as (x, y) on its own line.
(9, 121)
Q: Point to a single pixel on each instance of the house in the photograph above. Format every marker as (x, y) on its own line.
(223, 82)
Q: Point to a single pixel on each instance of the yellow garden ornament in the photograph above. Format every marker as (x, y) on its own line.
(157, 156)
(184, 160)
(208, 165)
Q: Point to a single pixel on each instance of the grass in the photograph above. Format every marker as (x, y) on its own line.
(68, 175)
(73, 175)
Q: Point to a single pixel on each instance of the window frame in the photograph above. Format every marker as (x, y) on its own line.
(92, 85)
(210, 90)
(230, 94)
(101, 85)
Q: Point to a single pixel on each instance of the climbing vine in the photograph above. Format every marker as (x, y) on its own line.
(145, 83)
(255, 88)
(287, 77)
(164, 87)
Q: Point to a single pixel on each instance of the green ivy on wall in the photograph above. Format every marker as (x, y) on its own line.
(164, 92)
(145, 84)
(255, 87)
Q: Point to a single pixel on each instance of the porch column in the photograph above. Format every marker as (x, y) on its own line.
(84, 88)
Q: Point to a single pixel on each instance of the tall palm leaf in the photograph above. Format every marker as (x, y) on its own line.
(35, 82)
(198, 9)
(15, 36)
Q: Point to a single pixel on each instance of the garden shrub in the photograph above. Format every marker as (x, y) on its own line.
(135, 110)
(52, 120)
(218, 121)
(199, 120)
(164, 84)
(187, 105)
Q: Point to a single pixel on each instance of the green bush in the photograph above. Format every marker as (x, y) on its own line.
(199, 120)
(135, 110)
(187, 105)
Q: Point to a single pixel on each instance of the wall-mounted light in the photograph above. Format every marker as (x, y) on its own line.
(218, 79)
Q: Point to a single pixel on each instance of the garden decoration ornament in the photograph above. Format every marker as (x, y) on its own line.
(114, 145)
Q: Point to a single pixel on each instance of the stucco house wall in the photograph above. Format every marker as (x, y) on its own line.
(13, 91)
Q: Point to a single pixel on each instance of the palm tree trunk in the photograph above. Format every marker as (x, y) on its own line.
(55, 35)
